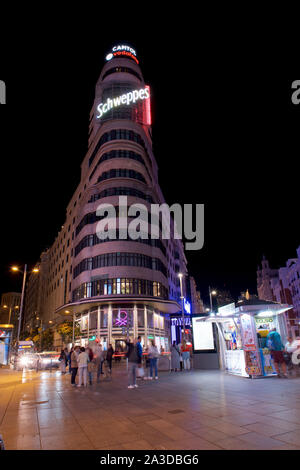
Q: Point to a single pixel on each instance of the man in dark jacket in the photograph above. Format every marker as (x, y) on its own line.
(133, 361)
(139, 350)
(109, 355)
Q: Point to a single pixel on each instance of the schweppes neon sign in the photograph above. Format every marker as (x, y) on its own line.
(126, 99)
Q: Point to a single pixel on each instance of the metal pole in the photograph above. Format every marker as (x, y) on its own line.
(73, 335)
(22, 304)
(210, 300)
(182, 308)
(41, 334)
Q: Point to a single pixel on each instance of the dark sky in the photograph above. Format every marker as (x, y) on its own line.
(225, 134)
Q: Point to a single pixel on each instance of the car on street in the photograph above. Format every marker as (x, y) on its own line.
(47, 360)
(24, 361)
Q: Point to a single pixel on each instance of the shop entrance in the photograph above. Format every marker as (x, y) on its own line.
(120, 349)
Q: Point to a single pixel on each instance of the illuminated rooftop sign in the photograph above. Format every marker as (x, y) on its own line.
(127, 98)
(122, 51)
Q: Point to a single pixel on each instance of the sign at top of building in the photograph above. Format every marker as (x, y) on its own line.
(122, 51)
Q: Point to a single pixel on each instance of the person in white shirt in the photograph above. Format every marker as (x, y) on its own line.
(82, 367)
(290, 347)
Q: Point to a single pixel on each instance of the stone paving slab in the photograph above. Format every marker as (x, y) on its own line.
(195, 410)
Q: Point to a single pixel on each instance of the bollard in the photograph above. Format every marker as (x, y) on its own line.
(1, 443)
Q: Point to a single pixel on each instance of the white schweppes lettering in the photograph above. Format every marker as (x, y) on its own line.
(127, 98)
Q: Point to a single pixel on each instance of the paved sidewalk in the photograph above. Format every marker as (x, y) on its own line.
(186, 410)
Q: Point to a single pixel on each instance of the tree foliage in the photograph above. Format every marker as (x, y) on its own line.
(66, 331)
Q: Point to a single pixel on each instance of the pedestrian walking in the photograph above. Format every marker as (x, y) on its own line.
(185, 352)
(139, 349)
(69, 360)
(82, 367)
(99, 358)
(109, 356)
(147, 365)
(140, 370)
(181, 360)
(153, 356)
(275, 345)
(90, 365)
(175, 357)
(290, 348)
(62, 358)
(74, 364)
(66, 356)
(133, 363)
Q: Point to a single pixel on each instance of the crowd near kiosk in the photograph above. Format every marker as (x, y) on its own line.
(235, 338)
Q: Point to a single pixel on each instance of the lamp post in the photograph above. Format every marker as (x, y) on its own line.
(180, 275)
(16, 269)
(211, 293)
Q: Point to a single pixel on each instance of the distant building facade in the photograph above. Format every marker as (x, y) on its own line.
(35, 305)
(196, 301)
(10, 308)
(223, 297)
(264, 277)
(282, 285)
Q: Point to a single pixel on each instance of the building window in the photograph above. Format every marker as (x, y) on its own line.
(121, 173)
(92, 240)
(117, 134)
(120, 286)
(121, 191)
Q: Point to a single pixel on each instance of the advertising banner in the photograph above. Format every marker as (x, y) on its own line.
(250, 346)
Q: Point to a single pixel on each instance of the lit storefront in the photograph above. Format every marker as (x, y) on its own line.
(237, 336)
(115, 324)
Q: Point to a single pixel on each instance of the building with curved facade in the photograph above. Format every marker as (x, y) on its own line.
(118, 287)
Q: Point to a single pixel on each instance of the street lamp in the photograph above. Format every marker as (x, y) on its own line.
(10, 310)
(211, 292)
(17, 269)
(180, 275)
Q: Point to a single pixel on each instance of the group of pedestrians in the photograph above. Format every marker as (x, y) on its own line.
(282, 355)
(135, 362)
(86, 363)
(180, 357)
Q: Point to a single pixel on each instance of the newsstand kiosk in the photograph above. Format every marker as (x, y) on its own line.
(240, 332)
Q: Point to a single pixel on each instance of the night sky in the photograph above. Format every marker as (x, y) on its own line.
(225, 133)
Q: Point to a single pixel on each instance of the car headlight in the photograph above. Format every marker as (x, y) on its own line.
(24, 361)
